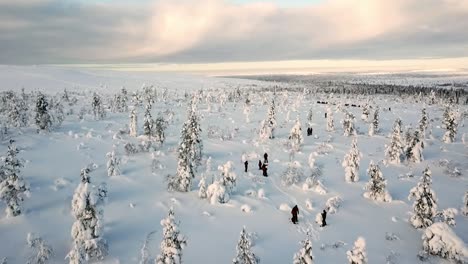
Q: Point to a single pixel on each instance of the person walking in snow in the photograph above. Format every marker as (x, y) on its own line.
(265, 157)
(264, 169)
(294, 212)
(324, 217)
(259, 164)
(246, 165)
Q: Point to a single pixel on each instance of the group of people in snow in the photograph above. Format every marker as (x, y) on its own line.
(295, 212)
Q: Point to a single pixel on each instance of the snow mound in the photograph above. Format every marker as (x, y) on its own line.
(439, 239)
(246, 208)
(261, 193)
(333, 204)
(285, 207)
(60, 183)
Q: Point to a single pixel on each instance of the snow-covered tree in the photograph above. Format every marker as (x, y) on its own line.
(42, 251)
(348, 125)
(450, 123)
(113, 163)
(160, 126)
(172, 243)
(247, 109)
(13, 189)
(414, 147)
(440, 240)
(310, 116)
(216, 193)
(425, 204)
(394, 151)
(57, 112)
(432, 97)
(265, 130)
(228, 177)
(133, 123)
(295, 136)
(244, 250)
(87, 230)
(351, 163)
(123, 100)
(358, 254)
(447, 216)
(375, 123)
(43, 120)
(304, 256)
(98, 108)
(192, 125)
(148, 122)
(293, 174)
(465, 204)
(365, 112)
(182, 180)
(423, 122)
(376, 187)
(330, 122)
(202, 188)
(271, 119)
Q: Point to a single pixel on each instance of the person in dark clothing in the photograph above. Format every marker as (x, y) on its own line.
(265, 158)
(324, 217)
(264, 169)
(259, 164)
(246, 165)
(294, 212)
(325, 115)
(309, 131)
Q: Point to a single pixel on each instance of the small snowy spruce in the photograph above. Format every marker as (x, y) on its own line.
(304, 256)
(293, 174)
(113, 163)
(394, 151)
(351, 163)
(244, 250)
(450, 123)
(202, 188)
(13, 189)
(425, 204)
(172, 243)
(348, 125)
(330, 122)
(358, 254)
(228, 177)
(43, 120)
(98, 108)
(376, 187)
(87, 230)
(440, 240)
(295, 136)
(42, 251)
(133, 123)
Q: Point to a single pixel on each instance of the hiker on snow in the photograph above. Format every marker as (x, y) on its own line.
(259, 164)
(246, 164)
(264, 169)
(265, 157)
(294, 212)
(324, 217)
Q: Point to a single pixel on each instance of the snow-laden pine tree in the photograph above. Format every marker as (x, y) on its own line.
(247, 109)
(43, 120)
(375, 121)
(202, 188)
(13, 189)
(87, 230)
(265, 130)
(376, 187)
(414, 146)
(98, 108)
(423, 122)
(365, 112)
(57, 113)
(351, 163)
(228, 177)
(450, 123)
(133, 123)
(440, 240)
(182, 180)
(293, 174)
(194, 132)
(358, 255)
(425, 204)
(295, 136)
(244, 250)
(432, 97)
(271, 118)
(465, 204)
(148, 122)
(330, 122)
(123, 100)
(113, 163)
(172, 243)
(42, 251)
(394, 151)
(216, 193)
(160, 126)
(304, 256)
(348, 125)
(310, 116)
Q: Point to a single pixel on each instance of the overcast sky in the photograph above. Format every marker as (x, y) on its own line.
(205, 31)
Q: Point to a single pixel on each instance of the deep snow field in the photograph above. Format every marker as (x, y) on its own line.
(138, 199)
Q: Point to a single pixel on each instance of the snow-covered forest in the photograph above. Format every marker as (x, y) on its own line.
(142, 167)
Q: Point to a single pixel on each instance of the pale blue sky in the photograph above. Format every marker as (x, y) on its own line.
(283, 3)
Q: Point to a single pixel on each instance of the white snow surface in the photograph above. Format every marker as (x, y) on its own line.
(54, 160)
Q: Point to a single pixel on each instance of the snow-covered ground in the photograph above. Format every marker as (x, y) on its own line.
(138, 198)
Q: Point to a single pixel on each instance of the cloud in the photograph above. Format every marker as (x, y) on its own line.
(53, 31)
